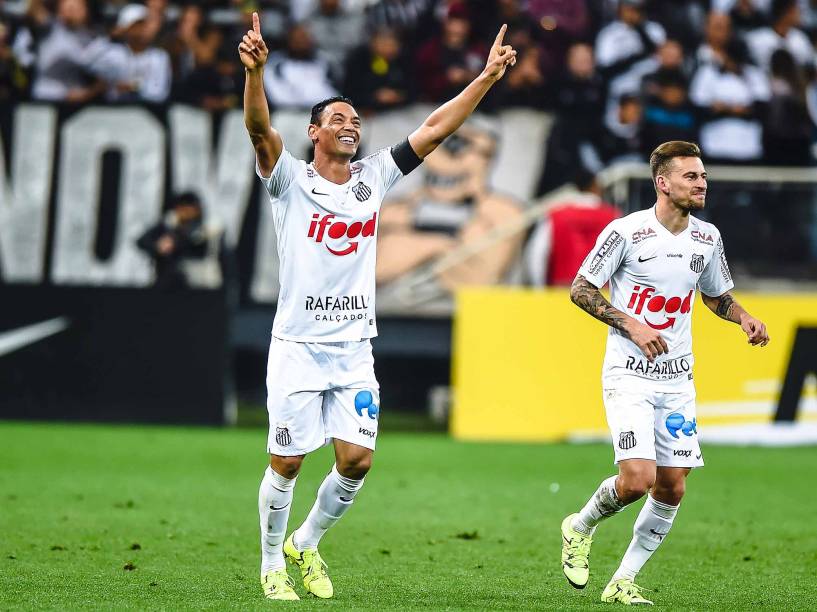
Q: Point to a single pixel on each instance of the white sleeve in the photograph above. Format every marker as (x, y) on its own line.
(702, 89)
(606, 256)
(156, 88)
(283, 174)
(716, 279)
(386, 168)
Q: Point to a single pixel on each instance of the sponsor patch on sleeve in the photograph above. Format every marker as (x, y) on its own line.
(606, 249)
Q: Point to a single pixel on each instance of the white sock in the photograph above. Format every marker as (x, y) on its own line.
(335, 496)
(274, 502)
(651, 526)
(604, 504)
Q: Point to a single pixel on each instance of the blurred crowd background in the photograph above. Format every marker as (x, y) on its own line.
(620, 76)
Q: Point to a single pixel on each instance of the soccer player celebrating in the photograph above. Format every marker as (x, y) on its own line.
(654, 260)
(320, 378)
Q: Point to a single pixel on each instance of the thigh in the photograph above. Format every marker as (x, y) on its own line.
(676, 431)
(630, 416)
(352, 415)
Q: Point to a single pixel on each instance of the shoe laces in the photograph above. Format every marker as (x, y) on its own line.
(316, 566)
(633, 590)
(579, 551)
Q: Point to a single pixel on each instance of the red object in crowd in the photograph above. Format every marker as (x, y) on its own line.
(574, 229)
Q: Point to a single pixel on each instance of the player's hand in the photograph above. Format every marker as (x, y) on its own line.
(500, 57)
(755, 330)
(252, 49)
(648, 340)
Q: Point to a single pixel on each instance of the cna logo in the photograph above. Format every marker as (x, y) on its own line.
(702, 237)
(365, 401)
(643, 234)
(320, 227)
(677, 422)
(646, 296)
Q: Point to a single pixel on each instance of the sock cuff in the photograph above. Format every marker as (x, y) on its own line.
(665, 511)
(280, 482)
(349, 484)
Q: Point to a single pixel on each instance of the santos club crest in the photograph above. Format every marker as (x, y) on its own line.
(697, 263)
(362, 192)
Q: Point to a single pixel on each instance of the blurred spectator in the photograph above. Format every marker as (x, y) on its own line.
(579, 106)
(377, 75)
(297, 77)
(135, 69)
(217, 84)
(559, 24)
(717, 35)
(184, 44)
(747, 16)
(731, 99)
(620, 138)
(782, 34)
(178, 236)
(63, 47)
(623, 46)
(13, 78)
(668, 113)
(788, 130)
(568, 231)
(405, 17)
(449, 61)
(682, 19)
(336, 32)
(524, 85)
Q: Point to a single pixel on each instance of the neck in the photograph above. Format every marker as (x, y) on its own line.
(782, 29)
(333, 169)
(674, 218)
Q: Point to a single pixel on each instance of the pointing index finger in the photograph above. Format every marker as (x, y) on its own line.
(501, 35)
(256, 24)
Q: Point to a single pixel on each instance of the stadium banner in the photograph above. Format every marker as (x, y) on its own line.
(527, 365)
(101, 354)
(78, 185)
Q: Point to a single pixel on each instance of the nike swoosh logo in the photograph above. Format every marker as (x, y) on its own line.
(15, 339)
(660, 535)
(345, 500)
(647, 259)
(698, 456)
(281, 508)
(319, 192)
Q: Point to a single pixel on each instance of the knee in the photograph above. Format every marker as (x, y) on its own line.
(288, 467)
(355, 466)
(671, 492)
(631, 487)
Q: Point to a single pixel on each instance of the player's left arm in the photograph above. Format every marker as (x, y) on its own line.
(447, 118)
(727, 308)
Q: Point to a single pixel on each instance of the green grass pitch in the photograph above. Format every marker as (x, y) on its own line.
(149, 518)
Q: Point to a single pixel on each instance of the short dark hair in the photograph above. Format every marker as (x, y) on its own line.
(663, 155)
(317, 110)
(780, 8)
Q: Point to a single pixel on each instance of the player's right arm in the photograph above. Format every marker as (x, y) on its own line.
(267, 142)
(587, 296)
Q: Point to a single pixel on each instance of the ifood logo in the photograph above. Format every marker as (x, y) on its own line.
(320, 227)
(659, 304)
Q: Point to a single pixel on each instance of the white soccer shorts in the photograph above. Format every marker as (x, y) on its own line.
(320, 391)
(649, 424)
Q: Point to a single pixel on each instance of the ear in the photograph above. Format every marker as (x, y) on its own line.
(312, 132)
(661, 183)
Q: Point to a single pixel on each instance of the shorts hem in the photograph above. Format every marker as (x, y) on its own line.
(294, 453)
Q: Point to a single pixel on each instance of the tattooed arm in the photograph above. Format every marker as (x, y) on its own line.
(588, 297)
(728, 309)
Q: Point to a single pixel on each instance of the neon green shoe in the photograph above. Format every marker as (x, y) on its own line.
(278, 585)
(313, 569)
(575, 554)
(624, 591)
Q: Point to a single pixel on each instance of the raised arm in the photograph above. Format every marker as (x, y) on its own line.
(267, 142)
(447, 118)
(588, 297)
(727, 308)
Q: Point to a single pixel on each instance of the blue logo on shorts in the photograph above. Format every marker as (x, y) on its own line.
(363, 401)
(677, 421)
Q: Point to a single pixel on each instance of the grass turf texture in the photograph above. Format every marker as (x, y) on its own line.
(165, 518)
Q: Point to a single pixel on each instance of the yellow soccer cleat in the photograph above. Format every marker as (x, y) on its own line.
(278, 585)
(575, 554)
(313, 569)
(626, 592)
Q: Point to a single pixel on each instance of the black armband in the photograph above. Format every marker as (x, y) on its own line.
(405, 157)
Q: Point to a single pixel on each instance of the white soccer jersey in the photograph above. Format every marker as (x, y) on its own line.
(653, 275)
(327, 247)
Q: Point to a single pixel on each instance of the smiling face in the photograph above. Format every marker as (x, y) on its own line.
(684, 183)
(338, 133)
